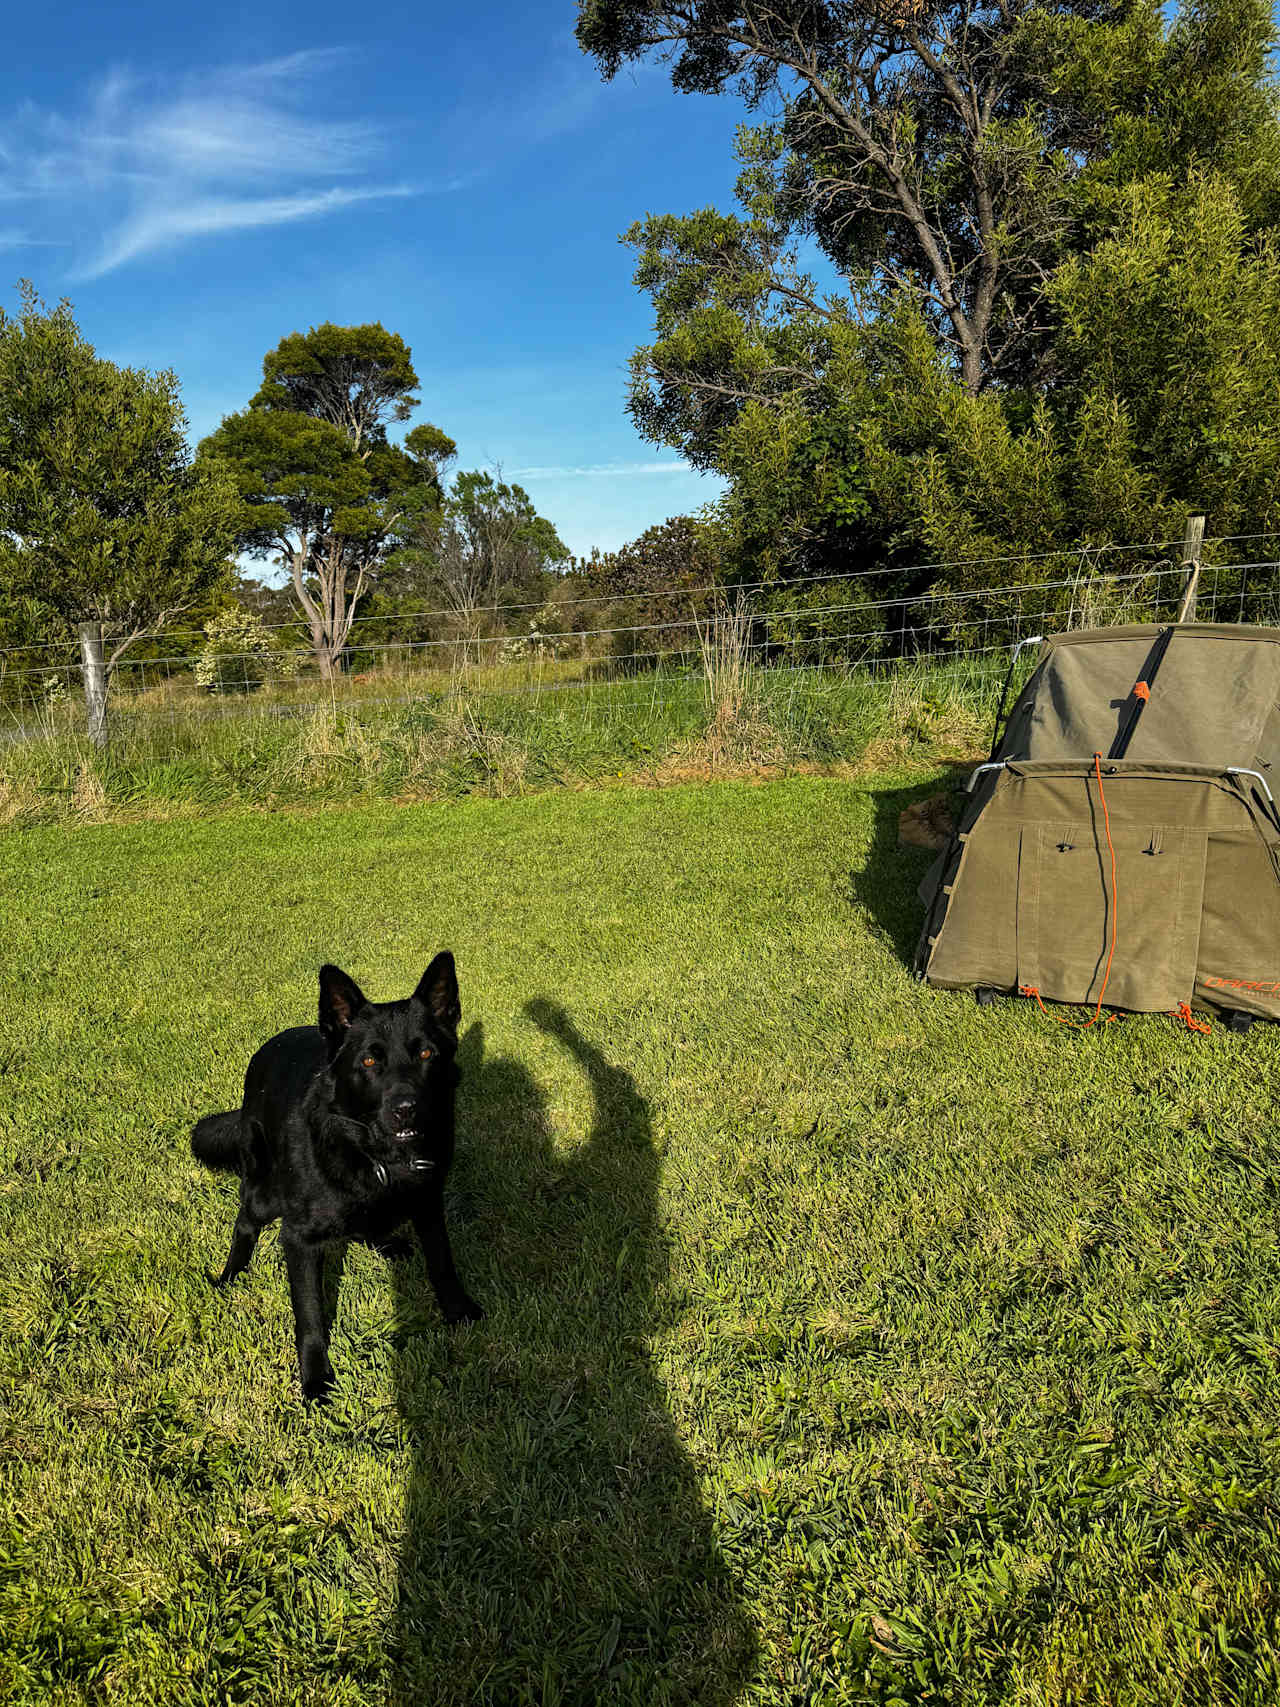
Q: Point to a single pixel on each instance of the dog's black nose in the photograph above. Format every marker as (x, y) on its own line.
(404, 1112)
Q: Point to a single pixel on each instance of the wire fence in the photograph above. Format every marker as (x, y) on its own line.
(645, 648)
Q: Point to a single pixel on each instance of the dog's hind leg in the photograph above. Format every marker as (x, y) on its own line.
(306, 1288)
(244, 1241)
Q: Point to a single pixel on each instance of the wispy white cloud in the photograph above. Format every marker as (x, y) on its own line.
(160, 225)
(599, 470)
(148, 163)
(145, 161)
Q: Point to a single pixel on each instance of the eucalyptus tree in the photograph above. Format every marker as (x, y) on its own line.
(324, 492)
(485, 547)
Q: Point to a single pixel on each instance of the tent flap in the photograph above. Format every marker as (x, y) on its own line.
(1212, 701)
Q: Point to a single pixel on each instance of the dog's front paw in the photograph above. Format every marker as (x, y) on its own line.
(465, 1310)
(317, 1380)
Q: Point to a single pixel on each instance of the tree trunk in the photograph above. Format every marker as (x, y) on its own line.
(93, 665)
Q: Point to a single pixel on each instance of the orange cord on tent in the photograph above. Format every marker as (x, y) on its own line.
(1030, 989)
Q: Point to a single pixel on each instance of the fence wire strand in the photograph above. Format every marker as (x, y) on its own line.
(819, 628)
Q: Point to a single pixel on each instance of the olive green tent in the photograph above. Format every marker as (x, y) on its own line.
(1158, 859)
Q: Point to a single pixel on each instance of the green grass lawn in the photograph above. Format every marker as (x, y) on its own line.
(845, 1342)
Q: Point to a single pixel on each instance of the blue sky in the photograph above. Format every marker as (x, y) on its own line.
(201, 182)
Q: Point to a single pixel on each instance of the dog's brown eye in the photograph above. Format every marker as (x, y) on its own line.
(427, 1054)
(370, 1061)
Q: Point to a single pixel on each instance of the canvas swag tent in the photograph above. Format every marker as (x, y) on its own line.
(1155, 865)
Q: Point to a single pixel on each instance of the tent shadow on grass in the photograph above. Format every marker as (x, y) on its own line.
(885, 886)
(556, 1548)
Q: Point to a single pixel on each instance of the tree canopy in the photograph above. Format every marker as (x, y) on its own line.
(907, 334)
(358, 378)
(106, 523)
(322, 488)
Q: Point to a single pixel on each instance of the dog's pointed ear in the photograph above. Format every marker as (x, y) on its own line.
(341, 999)
(438, 991)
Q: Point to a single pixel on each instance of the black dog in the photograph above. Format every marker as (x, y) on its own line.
(345, 1133)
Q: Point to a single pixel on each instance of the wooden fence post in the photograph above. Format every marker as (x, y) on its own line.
(1192, 542)
(93, 667)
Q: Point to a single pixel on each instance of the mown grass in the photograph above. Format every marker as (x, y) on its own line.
(479, 736)
(845, 1342)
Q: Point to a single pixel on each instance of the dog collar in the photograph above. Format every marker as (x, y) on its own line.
(417, 1165)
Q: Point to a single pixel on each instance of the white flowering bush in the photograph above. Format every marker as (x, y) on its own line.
(544, 639)
(239, 654)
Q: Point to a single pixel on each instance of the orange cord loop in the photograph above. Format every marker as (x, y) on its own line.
(1184, 1013)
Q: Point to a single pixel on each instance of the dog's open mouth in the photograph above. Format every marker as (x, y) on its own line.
(403, 1134)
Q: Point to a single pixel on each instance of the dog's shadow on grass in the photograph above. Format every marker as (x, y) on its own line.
(556, 1546)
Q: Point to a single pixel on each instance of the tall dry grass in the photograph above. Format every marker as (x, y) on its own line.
(734, 713)
(739, 728)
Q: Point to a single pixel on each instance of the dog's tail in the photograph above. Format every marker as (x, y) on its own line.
(215, 1141)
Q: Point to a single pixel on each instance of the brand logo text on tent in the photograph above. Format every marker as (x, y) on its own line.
(1240, 983)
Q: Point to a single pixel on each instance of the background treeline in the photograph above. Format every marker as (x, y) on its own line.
(1002, 279)
(1000, 295)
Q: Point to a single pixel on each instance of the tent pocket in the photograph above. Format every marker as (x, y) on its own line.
(1065, 912)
